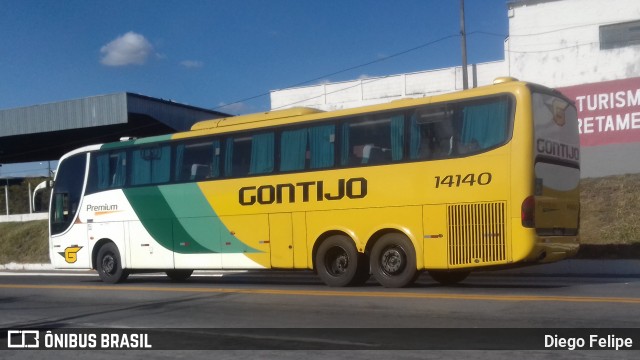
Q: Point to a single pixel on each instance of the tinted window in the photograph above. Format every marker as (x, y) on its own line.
(67, 192)
(151, 165)
(197, 161)
(249, 155)
(440, 132)
(619, 35)
(373, 140)
(307, 148)
(108, 170)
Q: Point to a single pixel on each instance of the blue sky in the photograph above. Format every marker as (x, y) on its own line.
(217, 52)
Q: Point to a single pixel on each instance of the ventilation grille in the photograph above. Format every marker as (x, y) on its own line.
(476, 233)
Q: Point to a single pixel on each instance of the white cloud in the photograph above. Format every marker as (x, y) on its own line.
(192, 64)
(128, 49)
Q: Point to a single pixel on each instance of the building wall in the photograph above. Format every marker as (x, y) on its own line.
(552, 42)
(375, 90)
(557, 43)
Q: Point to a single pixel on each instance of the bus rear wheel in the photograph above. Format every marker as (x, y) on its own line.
(109, 266)
(179, 274)
(393, 261)
(338, 262)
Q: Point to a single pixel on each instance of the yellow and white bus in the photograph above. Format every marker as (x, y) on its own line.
(479, 179)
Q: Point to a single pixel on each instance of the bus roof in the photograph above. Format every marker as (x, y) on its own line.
(249, 118)
(303, 114)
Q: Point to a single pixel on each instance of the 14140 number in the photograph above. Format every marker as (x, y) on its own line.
(463, 180)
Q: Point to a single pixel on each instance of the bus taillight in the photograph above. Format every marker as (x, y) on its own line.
(528, 213)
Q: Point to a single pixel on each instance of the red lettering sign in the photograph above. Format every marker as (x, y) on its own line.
(608, 112)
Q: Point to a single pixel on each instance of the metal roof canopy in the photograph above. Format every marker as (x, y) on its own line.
(47, 131)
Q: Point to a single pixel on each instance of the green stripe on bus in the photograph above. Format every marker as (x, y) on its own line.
(116, 145)
(196, 227)
(152, 139)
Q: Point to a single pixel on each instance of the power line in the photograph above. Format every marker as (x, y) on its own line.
(369, 81)
(476, 32)
(348, 69)
(551, 50)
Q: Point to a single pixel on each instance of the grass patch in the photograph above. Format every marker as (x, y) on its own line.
(610, 210)
(25, 242)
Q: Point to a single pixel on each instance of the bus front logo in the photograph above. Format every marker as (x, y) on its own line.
(558, 110)
(70, 254)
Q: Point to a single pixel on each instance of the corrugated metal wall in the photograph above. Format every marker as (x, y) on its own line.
(65, 115)
(95, 111)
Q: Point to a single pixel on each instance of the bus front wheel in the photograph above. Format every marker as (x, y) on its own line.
(109, 265)
(338, 262)
(393, 261)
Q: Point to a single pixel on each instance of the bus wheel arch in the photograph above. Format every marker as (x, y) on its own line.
(107, 260)
(393, 258)
(338, 262)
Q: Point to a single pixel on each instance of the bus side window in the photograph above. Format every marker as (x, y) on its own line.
(432, 134)
(197, 161)
(372, 141)
(307, 148)
(485, 124)
(439, 132)
(249, 155)
(109, 170)
(151, 165)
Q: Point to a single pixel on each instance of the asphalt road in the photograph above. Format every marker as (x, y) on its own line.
(223, 310)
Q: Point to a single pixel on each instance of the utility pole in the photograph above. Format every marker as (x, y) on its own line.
(463, 39)
(6, 194)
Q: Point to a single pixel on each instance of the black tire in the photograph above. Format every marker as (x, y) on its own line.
(179, 275)
(109, 265)
(338, 262)
(393, 261)
(448, 277)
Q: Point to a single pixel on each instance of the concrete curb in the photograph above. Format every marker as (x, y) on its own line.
(576, 267)
(16, 266)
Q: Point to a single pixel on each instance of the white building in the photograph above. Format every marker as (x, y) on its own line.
(588, 49)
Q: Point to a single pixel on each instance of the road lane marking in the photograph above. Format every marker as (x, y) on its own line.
(333, 293)
(94, 275)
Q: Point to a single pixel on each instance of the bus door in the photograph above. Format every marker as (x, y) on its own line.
(281, 240)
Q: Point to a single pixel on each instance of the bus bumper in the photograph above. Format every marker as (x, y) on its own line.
(554, 248)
